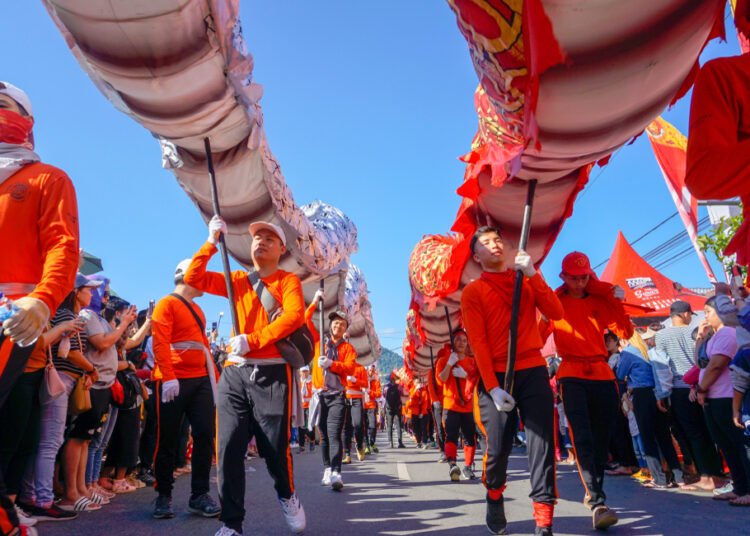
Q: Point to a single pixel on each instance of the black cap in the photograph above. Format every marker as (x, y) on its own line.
(338, 314)
(679, 307)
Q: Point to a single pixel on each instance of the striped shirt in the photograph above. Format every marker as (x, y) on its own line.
(676, 342)
(77, 342)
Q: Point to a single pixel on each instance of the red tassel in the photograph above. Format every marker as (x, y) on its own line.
(543, 513)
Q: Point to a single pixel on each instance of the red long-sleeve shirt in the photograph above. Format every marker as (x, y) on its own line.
(486, 311)
(39, 233)
(354, 389)
(455, 397)
(347, 356)
(374, 393)
(718, 153)
(579, 335)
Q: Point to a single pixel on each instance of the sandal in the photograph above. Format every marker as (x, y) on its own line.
(81, 505)
(743, 500)
(654, 485)
(98, 499)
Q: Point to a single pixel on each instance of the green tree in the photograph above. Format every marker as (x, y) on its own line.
(718, 238)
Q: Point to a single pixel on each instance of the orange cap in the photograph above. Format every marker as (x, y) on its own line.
(576, 264)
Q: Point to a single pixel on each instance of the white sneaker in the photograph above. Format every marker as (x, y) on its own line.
(226, 531)
(326, 477)
(23, 518)
(294, 445)
(293, 513)
(336, 481)
(727, 488)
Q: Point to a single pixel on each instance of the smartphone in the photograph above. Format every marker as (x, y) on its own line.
(214, 326)
(151, 305)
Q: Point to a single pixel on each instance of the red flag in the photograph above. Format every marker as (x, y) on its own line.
(670, 148)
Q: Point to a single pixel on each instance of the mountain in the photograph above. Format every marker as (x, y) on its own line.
(389, 361)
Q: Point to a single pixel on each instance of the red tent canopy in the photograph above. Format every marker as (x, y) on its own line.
(644, 285)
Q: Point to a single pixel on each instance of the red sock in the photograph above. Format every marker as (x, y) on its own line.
(495, 494)
(451, 451)
(469, 455)
(543, 513)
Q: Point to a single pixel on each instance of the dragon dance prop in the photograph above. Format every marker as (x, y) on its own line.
(181, 69)
(562, 85)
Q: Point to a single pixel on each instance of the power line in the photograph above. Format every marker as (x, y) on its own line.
(676, 241)
(644, 235)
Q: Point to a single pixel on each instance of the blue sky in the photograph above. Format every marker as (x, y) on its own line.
(367, 107)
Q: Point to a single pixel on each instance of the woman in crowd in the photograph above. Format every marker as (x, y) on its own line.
(715, 394)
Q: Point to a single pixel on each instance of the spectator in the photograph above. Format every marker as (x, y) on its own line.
(676, 344)
(715, 394)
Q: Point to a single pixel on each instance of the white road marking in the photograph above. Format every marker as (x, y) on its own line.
(403, 473)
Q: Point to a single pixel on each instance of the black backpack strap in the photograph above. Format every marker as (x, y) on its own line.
(192, 311)
(267, 300)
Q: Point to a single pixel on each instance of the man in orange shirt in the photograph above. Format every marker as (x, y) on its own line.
(329, 379)
(356, 383)
(373, 393)
(185, 380)
(306, 390)
(255, 389)
(486, 311)
(418, 410)
(39, 244)
(455, 369)
(587, 383)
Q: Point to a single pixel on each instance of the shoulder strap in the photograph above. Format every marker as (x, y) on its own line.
(192, 311)
(267, 300)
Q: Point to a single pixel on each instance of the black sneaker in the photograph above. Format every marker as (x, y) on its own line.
(495, 519)
(204, 505)
(147, 478)
(543, 531)
(53, 513)
(163, 508)
(401, 446)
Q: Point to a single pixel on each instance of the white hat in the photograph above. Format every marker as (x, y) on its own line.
(17, 95)
(275, 229)
(182, 267)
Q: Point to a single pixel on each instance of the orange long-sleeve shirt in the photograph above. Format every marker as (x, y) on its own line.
(418, 401)
(39, 233)
(579, 335)
(375, 391)
(434, 387)
(315, 370)
(454, 390)
(171, 323)
(354, 389)
(261, 334)
(343, 366)
(486, 311)
(718, 153)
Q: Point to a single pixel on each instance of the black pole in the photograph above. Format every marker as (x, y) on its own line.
(432, 370)
(453, 348)
(321, 322)
(222, 245)
(516, 303)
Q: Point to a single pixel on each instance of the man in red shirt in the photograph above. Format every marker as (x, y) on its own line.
(587, 383)
(486, 310)
(39, 244)
(185, 377)
(255, 389)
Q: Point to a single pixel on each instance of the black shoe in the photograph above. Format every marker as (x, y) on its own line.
(543, 531)
(53, 513)
(401, 446)
(163, 508)
(203, 505)
(454, 472)
(147, 478)
(495, 519)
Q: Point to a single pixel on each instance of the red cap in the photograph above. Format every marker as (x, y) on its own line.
(577, 263)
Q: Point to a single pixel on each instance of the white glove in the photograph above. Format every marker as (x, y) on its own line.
(524, 264)
(351, 379)
(216, 226)
(452, 359)
(458, 372)
(319, 295)
(169, 390)
(618, 292)
(239, 345)
(28, 322)
(324, 362)
(503, 401)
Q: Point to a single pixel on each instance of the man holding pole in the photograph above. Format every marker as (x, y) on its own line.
(255, 389)
(486, 310)
(587, 383)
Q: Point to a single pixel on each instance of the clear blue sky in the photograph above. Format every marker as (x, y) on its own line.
(367, 107)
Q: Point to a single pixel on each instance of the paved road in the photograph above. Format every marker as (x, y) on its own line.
(404, 492)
